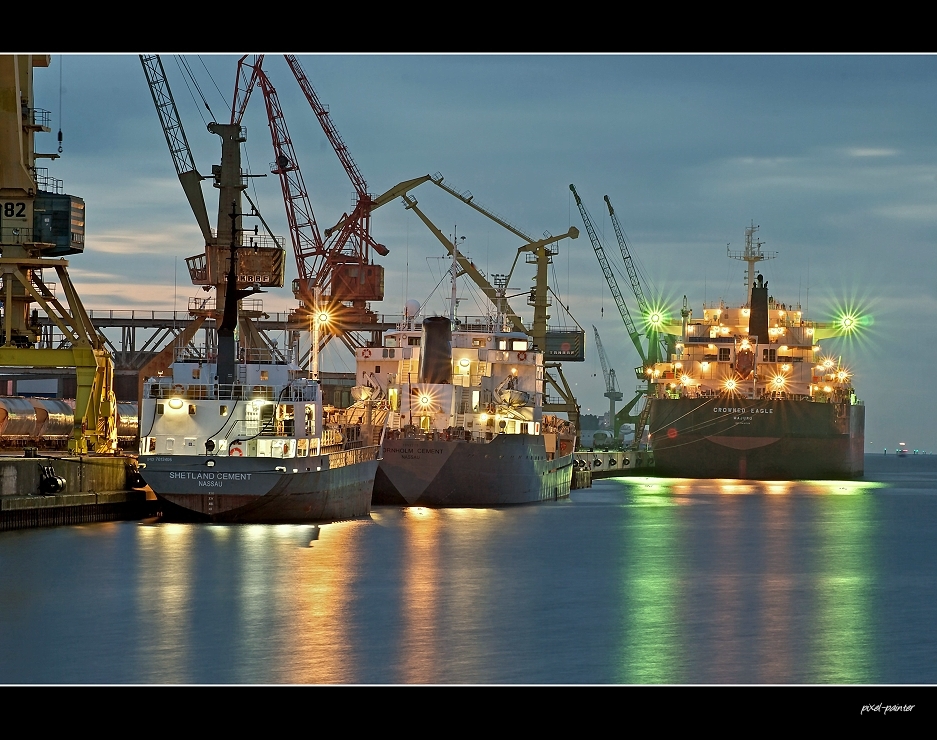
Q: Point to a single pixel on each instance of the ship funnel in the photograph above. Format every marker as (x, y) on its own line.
(436, 350)
(758, 321)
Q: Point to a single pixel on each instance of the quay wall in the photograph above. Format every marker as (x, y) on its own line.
(97, 489)
(615, 463)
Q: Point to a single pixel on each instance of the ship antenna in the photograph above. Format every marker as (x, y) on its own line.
(455, 275)
(752, 254)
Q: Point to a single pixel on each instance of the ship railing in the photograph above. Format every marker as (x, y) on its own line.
(351, 457)
(249, 356)
(488, 323)
(198, 304)
(164, 388)
(244, 429)
(249, 239)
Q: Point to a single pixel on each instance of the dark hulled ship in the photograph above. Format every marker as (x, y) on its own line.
(748, 393)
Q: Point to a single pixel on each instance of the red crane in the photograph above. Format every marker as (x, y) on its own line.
(339, 265)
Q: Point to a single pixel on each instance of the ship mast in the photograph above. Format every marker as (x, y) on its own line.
(455, 275)
(752, 254)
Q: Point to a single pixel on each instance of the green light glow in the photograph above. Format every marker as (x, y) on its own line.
(651, 584)
(852, 321)
(841, 651)
(656, 317)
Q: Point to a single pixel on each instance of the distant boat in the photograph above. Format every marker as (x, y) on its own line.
(902, 450)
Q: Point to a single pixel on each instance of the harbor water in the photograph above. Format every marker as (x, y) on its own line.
(633, 581)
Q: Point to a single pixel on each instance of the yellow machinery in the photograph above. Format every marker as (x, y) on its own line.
(39, 224)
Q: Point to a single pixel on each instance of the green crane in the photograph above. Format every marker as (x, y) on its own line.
(612, 282)
(652, 320)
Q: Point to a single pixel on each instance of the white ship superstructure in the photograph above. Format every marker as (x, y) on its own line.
(258, 449)
(463, 411)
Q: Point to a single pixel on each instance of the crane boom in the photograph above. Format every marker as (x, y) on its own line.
(335, 138)
(467, 198)
(176, 139)
(410, 203)
(656, 344)
(610, 277)
(643, 305)
(601, 350)
(244, 84)
(308, 248)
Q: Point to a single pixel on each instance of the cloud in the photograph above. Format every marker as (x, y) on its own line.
(871, 152)
(911, 212)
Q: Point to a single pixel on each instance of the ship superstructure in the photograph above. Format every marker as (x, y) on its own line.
(748, 392)
(462, 405)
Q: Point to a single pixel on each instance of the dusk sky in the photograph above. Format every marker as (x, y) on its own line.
(833, 156)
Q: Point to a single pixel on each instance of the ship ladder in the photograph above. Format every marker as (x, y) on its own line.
(642, 422)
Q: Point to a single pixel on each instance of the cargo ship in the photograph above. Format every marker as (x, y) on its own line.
(257, 450)
(747, 392)
(459, 402)
(238, 435)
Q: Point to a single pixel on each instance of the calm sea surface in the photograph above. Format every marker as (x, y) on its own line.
(636, 580)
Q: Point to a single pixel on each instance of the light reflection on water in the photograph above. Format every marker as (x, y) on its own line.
(421, 583)
(843, 650)
(744, 588)
(651, 590)
(164, 599)
(636, 580)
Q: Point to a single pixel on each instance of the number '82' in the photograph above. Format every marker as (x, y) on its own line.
(14, 210)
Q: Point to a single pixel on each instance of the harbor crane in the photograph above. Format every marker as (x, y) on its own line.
(612, 393)
(557, 345)
(335, 263)
(39, 226)
(652, 321)
(261, 264)
(652, 317)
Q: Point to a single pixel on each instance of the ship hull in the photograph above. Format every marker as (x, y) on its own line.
(764, 439)
(510, 469)
(246, 489)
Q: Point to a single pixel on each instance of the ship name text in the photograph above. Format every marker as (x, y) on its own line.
(421, 450)
(742, 411)
(188, 475)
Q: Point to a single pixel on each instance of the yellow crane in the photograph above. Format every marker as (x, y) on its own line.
(39, 225)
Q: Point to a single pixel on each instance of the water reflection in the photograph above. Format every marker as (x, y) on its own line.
(316, 589)
(447, 577)
(733, 574)
(777, 584)
(651, 585)
(635, 580)
(419, 652)
(843, 646)
(164, 601)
